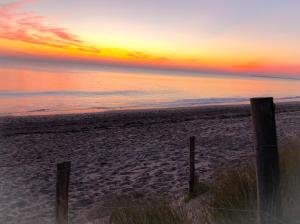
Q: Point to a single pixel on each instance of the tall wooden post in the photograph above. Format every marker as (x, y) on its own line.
(62, 192)
(268, 178)
(192, 165)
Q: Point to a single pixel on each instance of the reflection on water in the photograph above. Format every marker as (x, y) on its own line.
(26, 91)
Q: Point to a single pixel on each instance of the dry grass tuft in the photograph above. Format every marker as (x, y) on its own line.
(233, 198)
(149, 212)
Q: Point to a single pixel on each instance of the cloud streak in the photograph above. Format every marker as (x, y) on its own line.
(32, 28)
(29, 27)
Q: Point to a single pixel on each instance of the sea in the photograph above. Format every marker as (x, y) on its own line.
(44, 89)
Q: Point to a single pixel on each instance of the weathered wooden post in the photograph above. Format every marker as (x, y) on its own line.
(267, 162)
(192, 165)
(62, 192)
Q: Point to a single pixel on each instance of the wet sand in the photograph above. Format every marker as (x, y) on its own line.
(117, 153)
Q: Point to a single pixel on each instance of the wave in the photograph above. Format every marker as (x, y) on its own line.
(139, 104)
(72, 93)
(209, 101)
(192, 102)
(289, 98)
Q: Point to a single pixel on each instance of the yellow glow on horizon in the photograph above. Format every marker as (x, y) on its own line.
(158, 37)
(206, 57)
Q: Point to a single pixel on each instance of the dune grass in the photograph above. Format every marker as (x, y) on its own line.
(150, 212)
(233, 198)
(199, 189)
(236, 190)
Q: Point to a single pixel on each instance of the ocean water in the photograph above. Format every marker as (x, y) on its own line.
(49, 90)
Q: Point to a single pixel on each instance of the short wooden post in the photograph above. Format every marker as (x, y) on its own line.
(267, 165)
(62, 192)
(192, 165)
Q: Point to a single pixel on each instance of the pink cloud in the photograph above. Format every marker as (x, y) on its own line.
(31, 28)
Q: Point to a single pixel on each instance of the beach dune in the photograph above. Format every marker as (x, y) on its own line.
(143, 152)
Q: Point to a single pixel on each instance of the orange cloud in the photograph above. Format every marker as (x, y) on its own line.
(137, 54)
(31, 28)
(28, 34)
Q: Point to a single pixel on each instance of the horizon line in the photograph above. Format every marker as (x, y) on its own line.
(79, 63)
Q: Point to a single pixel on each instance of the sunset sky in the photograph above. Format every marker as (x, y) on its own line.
(242, 36)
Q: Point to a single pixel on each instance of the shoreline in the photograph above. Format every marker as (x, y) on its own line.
(121, 152)
(92, 111)
(127, 111)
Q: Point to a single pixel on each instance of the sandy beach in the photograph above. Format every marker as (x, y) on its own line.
(118, 153)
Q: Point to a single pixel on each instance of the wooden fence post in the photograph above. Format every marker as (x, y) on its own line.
(62, 192)
(267, 162)
(192, 165)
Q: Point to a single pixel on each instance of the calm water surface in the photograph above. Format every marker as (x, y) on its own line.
(58, 91)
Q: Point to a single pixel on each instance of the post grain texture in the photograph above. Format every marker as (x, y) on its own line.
(62, 192)
(267, 162)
